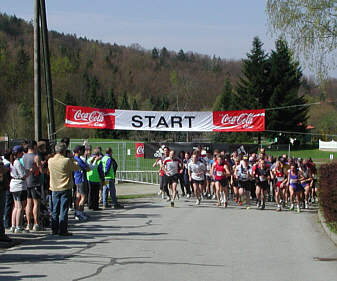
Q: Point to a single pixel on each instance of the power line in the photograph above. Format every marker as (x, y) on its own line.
(290, 106)
(300, 133)
(55, 99)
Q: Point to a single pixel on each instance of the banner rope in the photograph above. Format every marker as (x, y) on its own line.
(290, 106)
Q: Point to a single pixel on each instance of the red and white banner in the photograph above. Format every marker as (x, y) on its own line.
(239, 121)
(139, 146)
(219, 121)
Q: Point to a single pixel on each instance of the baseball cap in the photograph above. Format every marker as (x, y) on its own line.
(17, 149)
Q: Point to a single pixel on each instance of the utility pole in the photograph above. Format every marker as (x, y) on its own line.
(47, 72)
(37, 73)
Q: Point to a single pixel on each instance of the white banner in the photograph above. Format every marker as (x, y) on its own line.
(163, 121)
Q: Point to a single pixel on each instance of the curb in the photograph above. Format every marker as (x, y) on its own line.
(332, 235)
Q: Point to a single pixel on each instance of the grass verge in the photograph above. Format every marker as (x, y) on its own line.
(332, 226)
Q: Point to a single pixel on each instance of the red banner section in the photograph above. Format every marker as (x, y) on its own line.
(139, 149)
(88, 117)
(239, 121)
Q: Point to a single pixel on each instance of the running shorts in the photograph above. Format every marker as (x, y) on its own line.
(171, 179)
(223, 182)
(263, 185)
(245, 185)
(198, 182)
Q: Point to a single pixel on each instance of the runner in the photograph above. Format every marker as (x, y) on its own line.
(235, 182)
(295, 187)
(162, 183)
(306, 181)
(196, 172)
(314, 187)
(280, 177)
(221, 171)
(187, 181)
(262, 177)
(243, 174)
(171, 166)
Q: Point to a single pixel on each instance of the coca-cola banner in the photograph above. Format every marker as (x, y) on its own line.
(88, 117)
(139, 146)
(229, 121)
(239, 121)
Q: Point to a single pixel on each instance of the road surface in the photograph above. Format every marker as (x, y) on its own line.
(151, 241)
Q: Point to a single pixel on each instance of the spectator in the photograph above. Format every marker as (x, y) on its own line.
(9, 203)
(110, 168)
(61, 182)
(4, 182)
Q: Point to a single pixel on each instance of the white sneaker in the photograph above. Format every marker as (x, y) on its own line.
(306, 205)
(12, 229)
(21, 230)
(213, 197)
(197, 202)
(163, 196)
(188, 196)
(36, 227)
(159, 192)
(168, 198)
(29, 227)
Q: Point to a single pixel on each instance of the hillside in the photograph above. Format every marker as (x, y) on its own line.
(82, 68)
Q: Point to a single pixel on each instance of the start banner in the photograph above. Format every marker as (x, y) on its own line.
(115, 119)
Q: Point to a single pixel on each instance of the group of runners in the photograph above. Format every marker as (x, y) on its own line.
(291, 183)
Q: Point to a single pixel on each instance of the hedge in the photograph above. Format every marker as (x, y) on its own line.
(328, 191)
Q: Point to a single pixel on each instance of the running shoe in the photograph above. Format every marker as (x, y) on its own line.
(188, 196)
(298, 210)
(172, 203)
(168, 198)
(291, 207)
(159, 192)
(263, 206)
(278, 209)
(12, 229)
(306, 205)
(21, 230)
(213, 197)
(36, 227)
(197, 202)
(258, 204)
(240, 203)
(248, 207)
(218, 204)
(225, 204)
(29, 227)
(236, 200)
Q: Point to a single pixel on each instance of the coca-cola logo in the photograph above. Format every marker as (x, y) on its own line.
(94, 116)
(140, 149)
(244, 119)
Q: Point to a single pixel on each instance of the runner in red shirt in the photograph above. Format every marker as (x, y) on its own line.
(221, 171)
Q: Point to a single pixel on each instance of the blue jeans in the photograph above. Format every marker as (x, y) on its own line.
(2, 210)
(59, 215)
(8, 209)
(109, 187)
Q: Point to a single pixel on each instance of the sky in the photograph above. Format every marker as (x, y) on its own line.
(214, 27)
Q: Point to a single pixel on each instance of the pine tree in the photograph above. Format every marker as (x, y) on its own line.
(224, 101)
(124, 103)
(135, 105)
(252, 89)
(285, 81)
(112, 102)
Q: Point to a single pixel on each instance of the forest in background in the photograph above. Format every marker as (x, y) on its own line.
(91, 73)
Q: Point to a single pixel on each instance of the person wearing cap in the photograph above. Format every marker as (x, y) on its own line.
(61, 182)
(81, 180)
(18, 188)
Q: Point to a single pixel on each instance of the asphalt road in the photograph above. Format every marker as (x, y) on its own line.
(151, 241)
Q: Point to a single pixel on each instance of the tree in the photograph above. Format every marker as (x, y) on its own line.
(285, 80)
(251, 89)
(124, 103)
(135, 105)
(224, 101)
(155, 53)
(181, 55)
(311, 28)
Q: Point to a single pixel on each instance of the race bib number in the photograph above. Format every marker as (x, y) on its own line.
(219, 173)
(262, 178)
(293, 181)
(244, 176)
(280, 178)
